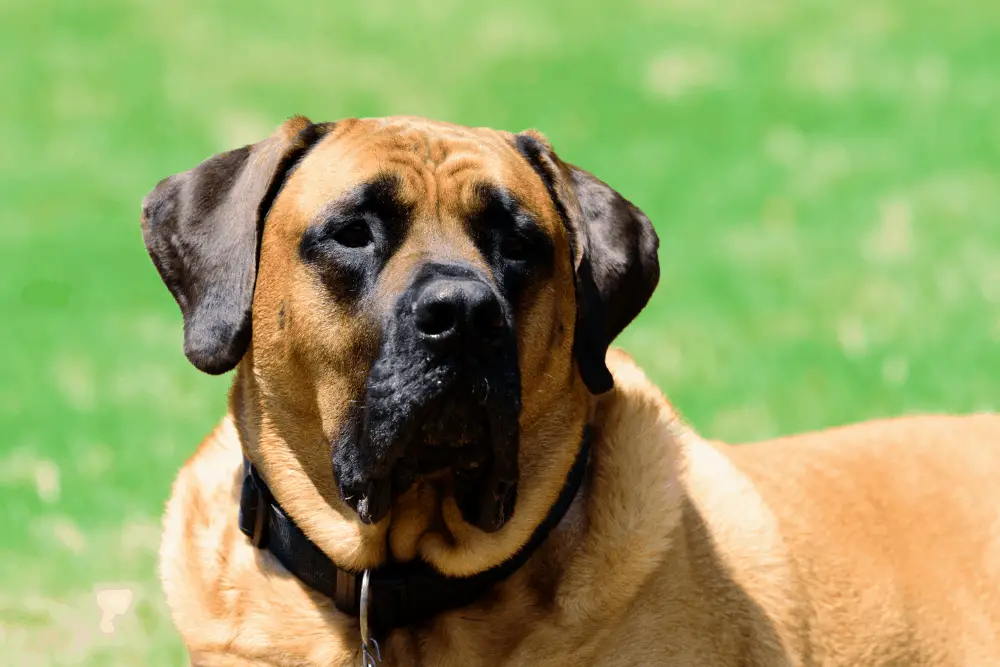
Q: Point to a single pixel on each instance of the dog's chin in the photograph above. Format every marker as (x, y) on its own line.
(458, 450)
(438, 428)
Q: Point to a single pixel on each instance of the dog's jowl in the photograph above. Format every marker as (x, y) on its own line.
(430, 442)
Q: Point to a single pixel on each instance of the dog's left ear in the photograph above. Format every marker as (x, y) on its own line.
(614, 255)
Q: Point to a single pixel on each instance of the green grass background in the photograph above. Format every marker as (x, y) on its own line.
(824, 176)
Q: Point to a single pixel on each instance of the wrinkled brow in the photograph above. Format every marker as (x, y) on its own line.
(496, 206)
(381, 196)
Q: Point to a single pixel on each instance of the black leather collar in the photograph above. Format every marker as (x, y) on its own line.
(402, 594)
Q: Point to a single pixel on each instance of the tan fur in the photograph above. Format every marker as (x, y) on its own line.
(877, 544)
(872, 544)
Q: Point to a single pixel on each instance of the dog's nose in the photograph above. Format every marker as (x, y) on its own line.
(450, 309)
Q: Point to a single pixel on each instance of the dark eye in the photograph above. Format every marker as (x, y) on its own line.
(354, 235)
(514, 248)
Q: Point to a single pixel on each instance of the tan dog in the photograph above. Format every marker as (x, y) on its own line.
(419, 315)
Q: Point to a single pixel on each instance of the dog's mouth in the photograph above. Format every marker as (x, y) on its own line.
(424, 418)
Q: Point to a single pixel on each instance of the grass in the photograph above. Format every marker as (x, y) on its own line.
(823, 175)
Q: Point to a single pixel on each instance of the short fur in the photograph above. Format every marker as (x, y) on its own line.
(874, 544)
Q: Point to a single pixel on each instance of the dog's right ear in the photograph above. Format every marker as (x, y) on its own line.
(202, 229)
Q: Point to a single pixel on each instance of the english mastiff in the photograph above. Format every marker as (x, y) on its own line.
(431, 457)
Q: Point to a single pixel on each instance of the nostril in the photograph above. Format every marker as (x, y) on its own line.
(435, 317)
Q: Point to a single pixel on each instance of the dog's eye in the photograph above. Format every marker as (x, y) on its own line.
(514, 248)
(354, 235)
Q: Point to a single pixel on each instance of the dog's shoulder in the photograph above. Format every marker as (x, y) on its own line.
(703, 526)
(233, 603)
(198, 533)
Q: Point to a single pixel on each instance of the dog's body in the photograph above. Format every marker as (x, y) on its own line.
(874, 544)
(877, 544)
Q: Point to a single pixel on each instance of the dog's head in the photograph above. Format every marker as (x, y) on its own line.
(429, 305)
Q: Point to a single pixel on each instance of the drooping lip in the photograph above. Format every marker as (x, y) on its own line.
(475, 445)
(424, 413)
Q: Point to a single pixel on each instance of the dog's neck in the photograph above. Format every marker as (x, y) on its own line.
(293, 456)
(610, 534)
(395, 594)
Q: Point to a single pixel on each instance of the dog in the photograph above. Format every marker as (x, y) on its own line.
(433, 455)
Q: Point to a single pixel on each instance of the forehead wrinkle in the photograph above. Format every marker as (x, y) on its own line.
(460, 184)
(427, 127)
(456, 189)
(464, 155)
(415, 135)
(459, 162)
(511, 181)
(411, 173)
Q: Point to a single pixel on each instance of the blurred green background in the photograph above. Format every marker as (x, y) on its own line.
(824, 176)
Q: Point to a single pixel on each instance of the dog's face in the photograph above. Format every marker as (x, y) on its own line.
(423, 304)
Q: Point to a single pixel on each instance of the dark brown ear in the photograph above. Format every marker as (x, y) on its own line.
(202, 229)
(614, 255)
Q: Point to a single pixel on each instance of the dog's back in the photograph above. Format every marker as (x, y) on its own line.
(895, 525)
